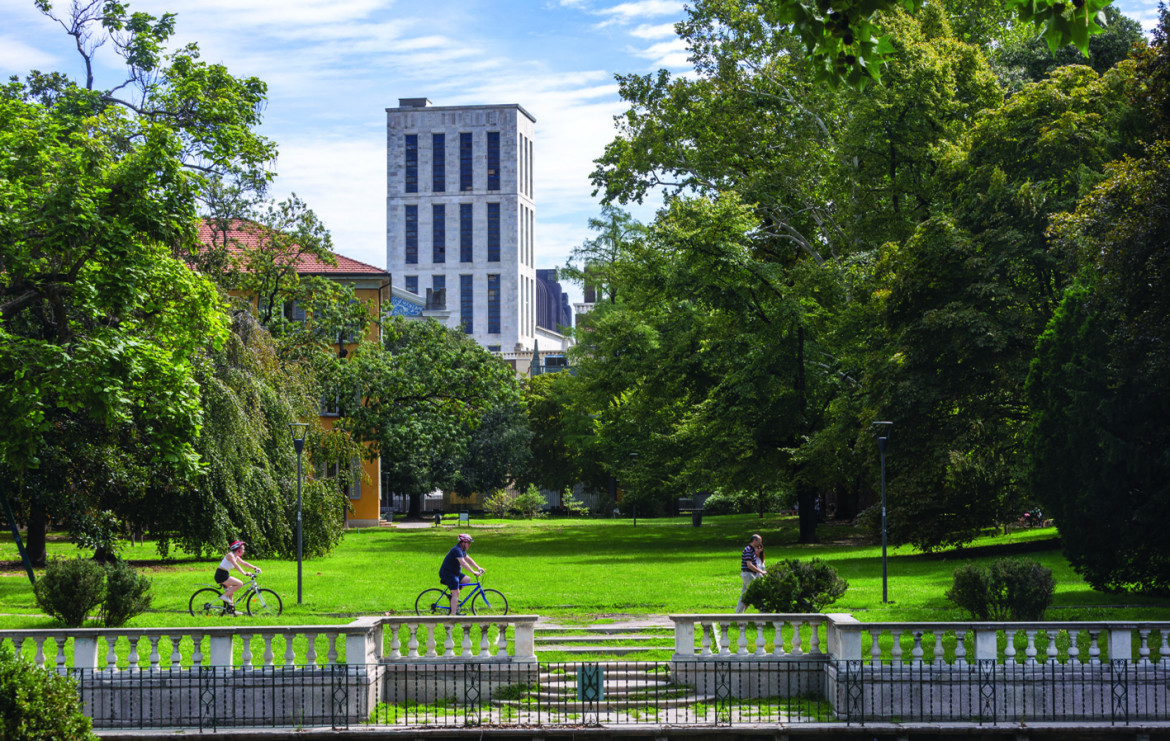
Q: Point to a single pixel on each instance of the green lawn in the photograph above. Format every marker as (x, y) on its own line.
(589, 570)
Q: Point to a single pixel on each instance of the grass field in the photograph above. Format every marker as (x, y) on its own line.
(592, 571)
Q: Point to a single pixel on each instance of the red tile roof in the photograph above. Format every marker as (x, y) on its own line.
(244, 235)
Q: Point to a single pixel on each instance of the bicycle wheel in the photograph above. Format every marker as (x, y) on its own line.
(433, 602)
(264, 602)
(489, 602)
(205, 601)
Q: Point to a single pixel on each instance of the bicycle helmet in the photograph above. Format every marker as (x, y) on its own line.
(237, 545)
(465, 538)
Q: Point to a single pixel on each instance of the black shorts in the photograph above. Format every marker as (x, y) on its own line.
(451, 581)
(221, 576)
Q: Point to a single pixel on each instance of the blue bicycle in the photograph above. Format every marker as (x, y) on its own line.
(437, 601)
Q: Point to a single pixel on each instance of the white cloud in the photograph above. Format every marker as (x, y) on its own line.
(17, 57)
(626, 12)
(671, 54)
(660, 31)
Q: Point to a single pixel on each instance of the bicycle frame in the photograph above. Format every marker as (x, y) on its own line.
(463, 589)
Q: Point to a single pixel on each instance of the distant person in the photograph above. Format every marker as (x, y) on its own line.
(233, 559)
(451, 572)
(751, 567)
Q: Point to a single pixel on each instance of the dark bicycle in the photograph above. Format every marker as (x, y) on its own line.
(258, 602)
(437, 601)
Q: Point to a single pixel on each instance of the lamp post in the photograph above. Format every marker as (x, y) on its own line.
(882, 431)
(634, 460)
(298, 433)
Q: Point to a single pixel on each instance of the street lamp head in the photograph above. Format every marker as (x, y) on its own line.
(299, 429)
(882, 429)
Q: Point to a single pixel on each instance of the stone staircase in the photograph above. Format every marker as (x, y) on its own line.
(630, 691)
(610, 640)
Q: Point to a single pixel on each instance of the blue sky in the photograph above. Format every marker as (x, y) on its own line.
(334, 67)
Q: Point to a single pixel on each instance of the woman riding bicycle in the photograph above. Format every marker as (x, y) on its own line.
(233, 559)
(452, 575)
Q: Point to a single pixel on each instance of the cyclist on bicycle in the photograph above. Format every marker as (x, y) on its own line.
(233, 559)
(452, 575)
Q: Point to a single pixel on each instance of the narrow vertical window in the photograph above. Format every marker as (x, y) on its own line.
(466, 233)
(493, 232)
(465, 161)
(530, 155)
(493, 160)
(412, 163)
(439, 290)
(412, 235)
(466, 308)
(438, 233)
(412, 284)
(438, 163)
(493, 302)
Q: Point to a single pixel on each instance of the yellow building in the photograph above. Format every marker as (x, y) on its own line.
(372, 288)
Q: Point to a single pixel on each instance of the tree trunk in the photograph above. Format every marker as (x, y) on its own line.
(37, 525)
(414, 512)
(807, 498)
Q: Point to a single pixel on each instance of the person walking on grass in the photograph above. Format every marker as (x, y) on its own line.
(751, 567)
(451, 572)
(233, 559)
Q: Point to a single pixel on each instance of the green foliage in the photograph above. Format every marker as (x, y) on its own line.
(500, 503)
(531, 503)
(572, 504)
(38, 704)
(127, 594)
(794, 585)
(70, 589)
(1008, 589)
(736, 503)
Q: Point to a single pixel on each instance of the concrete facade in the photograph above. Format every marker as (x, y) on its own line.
(513, 195)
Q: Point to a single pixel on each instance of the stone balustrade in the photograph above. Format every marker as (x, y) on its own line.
(466, 638)
(793, 636)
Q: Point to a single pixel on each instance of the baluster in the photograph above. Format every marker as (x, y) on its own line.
(939, 651)
(268, 654)
(916, 652)
(246, 656)
(1094, 647)
(760, 625)
(331, 656)
(741, 640)
(465, 647)
(814, 640)
(1030, 649)
(502, 639)
(1074, 649)
(960, 648)
(1144, 647)
(431, 644)
(705, 646)
(797, 639)
(289, 654)
(778, 638)
(111, 653)
(725, 645)
(311, 649)
(39, 659)
(59, 658)
(132, 661)
(1164, 651)
(896, 652)
(176, 655)
(484, 644)
(154, 657)
(395, 642)
(1009, 649)
(412, 644)
(1051, 652)
(197, 649)
(875, 647)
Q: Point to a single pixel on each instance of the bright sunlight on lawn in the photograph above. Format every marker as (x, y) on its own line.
(590, 570)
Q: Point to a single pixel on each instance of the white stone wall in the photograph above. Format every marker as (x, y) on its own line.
(517, 213)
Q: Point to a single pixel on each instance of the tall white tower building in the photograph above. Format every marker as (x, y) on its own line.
(460, 216)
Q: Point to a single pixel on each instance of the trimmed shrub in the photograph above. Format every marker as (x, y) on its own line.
(127, 594)
(70, 589)
(796, 586)
(530, 503)
(1008, 589)
(39, 704)
(572, 504)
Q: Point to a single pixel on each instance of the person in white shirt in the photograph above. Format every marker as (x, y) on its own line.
(233, 559)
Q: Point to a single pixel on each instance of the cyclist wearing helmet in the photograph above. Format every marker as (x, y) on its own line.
(452, 575)
(233, 559)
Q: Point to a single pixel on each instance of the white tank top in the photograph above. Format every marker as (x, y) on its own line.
(226, 564)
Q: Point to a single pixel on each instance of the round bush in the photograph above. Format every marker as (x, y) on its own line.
(37, 704)
(127, 594)
(796, 586)
(70, 589)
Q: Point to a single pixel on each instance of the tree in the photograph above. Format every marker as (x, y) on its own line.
(98, 319)
(591, 263)
(497, 452)
(419, 399)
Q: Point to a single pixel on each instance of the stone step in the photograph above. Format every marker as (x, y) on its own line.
(570, 677)
(607, 706)
(664, 630)
(603, 639)
(601, 650)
